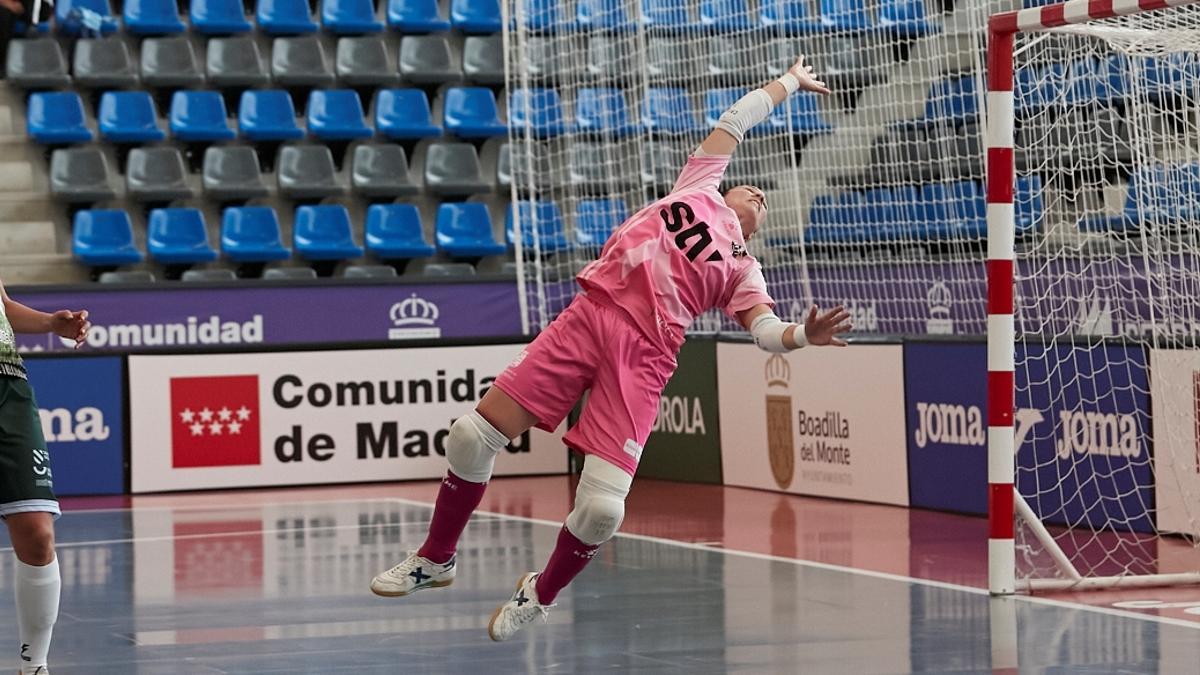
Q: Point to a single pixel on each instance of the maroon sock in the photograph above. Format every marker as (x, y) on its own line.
(569, 558)
(457, 499)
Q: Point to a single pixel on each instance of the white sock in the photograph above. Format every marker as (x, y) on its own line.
(37, 591)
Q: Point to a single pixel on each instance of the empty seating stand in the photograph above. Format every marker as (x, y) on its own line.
(80, 175)
(37, 64)
(236, 62)
(475, 16)
(157, 174)
(219, 17)
(308, 172)
(285, 17)
(336, 115)
(104, 64)
(364, 61)
(128, 117)
(324, 233)
(464, 230)
(232, 173)
(178, 236)
(170, 63)
(104, 238)
(382, 171)
(56, 118)
(471, 112)
(416, 16)
(251, 234)
(152, 17)
(540, 224)
(394, 231)
(268, 115)
(199, 116)
(404, 114)
(453, 169)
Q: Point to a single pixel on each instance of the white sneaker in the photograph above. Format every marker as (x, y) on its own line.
(412, 575)
(523, 608)
(40, 670)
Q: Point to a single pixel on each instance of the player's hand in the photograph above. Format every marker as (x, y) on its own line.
(808, 81)
(824, 328)
(70, 325)
(13, 6)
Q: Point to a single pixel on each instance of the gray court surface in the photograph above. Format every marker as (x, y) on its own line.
(283, 589)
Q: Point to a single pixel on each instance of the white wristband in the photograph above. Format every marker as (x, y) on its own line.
(790, 82)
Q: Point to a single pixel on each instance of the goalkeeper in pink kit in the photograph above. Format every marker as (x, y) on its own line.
(667, 264)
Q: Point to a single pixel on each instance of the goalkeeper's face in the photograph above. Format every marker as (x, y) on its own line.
(750, 205)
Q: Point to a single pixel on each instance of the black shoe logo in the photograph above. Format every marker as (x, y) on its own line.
(419, 575)
(25, 652)
(449, 565)
(521, 599)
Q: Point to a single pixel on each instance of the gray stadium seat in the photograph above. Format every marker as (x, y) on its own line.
(80, 175)
(216, 274)
(289, 273)
(170, 62)
(548, 169)
(232, 173)
(611, 57)
(308, 172)
(157, 174)
(37, 64)
(369, 272)
(728, 55)
(483, 59)
(364, 61)
(968, 152)
(382, 171)
(543, 56)
(300, 62)
(104, 63)
(453, 169)
(661, 163)
(667, 57)
(236, 62)
(127, 277)
(449, 270)
(504, 166)
(593, 164)
(428, 59)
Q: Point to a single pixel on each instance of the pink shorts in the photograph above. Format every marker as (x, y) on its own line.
(590, 346)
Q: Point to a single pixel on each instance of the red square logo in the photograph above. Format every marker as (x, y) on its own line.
(214, 421)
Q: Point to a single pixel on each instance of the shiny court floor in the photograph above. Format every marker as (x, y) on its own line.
(276, 582)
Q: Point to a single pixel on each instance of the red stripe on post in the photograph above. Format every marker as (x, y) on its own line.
(1054, 15)
(999, 55)
(1000, 511)
(1001, 398)
(1000, 286)
(1100, 9)
(1152, 4)
(1000, 175)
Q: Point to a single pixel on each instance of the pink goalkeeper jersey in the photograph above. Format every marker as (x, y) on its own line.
(677, 258)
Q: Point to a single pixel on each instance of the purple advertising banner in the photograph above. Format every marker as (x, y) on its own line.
(147, 319)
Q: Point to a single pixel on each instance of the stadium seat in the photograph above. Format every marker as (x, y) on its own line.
(157, 174)
(350, 17)
(935, 219)
(364, 61)
(199, 116)
(906, 18)
(128, 117)
(219, 17)
(538, 111)
(602, 15)
(543, 57)
(952, 101)
(36, 64)
(1030, 205)
(369, 272)
(882, 221)
(268, 115)
(541, 226)
(1090, 81)
(80, 175)
(826, 224)
(127, 277)
(661, 162)
(845, 15)
(404, 114)
(665, 15)
(453, 169)
(236, 62)
(336, 115)
(448, 270)
(483, 59)
(104, 237)
(471, 112)
(602, 111)
(285, 17)
(308, 172)
(669, 110)
(726, 15)
(665, 56)
(56, 118)
(1169, 76)
(289, 273)
(251, 234)
(68, 20)
(394, 231)
(611, 57)
(806, 117)
(969, 209)
(428, 59)
(232, 172)
(416, 16)
(208, 275)
(152, 17)
(324, 233)
(300, 62)
(589, 165)
(504, 166)
(104, 64)
(464, 230)
(545, 16)
(595, 220)
(170, 63)
(475, 16)
(382, 171)
(178, 237)
(725, 57)
(789, 17)
(1037, 87)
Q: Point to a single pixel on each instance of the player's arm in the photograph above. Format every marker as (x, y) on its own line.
(773, 334)
(755, 106)
(64, 323)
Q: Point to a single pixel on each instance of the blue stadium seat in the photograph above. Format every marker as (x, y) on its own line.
(788, 16)
(602, 15)
(845, 15)
(129, 117)
(952, 101)
(595, 220)
(285, 17)
(416, 16)
(464, 230)
(1037, 87)
(669, 110)
(471, 112)
(666, 15)
(541, 226)
(934, 223)
(404, 114)
(602, 111)
(350, 17)
(906, 18)
(475, 16)
(394, 231)
(1169, 76)
(324, 233)
(544, 16)
(806, 115)
(152, 17)
(336, 115)
(268, 115)
(178, 236)
(717, 101)
(104, 237)
(56, 117)
(199, 116)
(68, 18)
(726, 15)
(882, 218)
(219, 17)
(1091, 81)
(832, 218)
(537, 110)
(251, 234)
(969, 208)
(1030, 206)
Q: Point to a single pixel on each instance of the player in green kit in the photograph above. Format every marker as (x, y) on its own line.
(27, 502)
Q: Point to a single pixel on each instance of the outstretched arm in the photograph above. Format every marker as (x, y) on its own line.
(756, 105)
(64, 323)
(773, 335)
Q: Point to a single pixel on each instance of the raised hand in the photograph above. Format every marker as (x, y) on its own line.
(70, 325)
(824, 328)
(808, 81)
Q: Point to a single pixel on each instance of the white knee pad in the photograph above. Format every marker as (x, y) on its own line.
(471, 447)
(599, 501)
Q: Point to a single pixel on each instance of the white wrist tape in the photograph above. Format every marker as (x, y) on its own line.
(768, 330)
(790, 82)
(743, 115)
